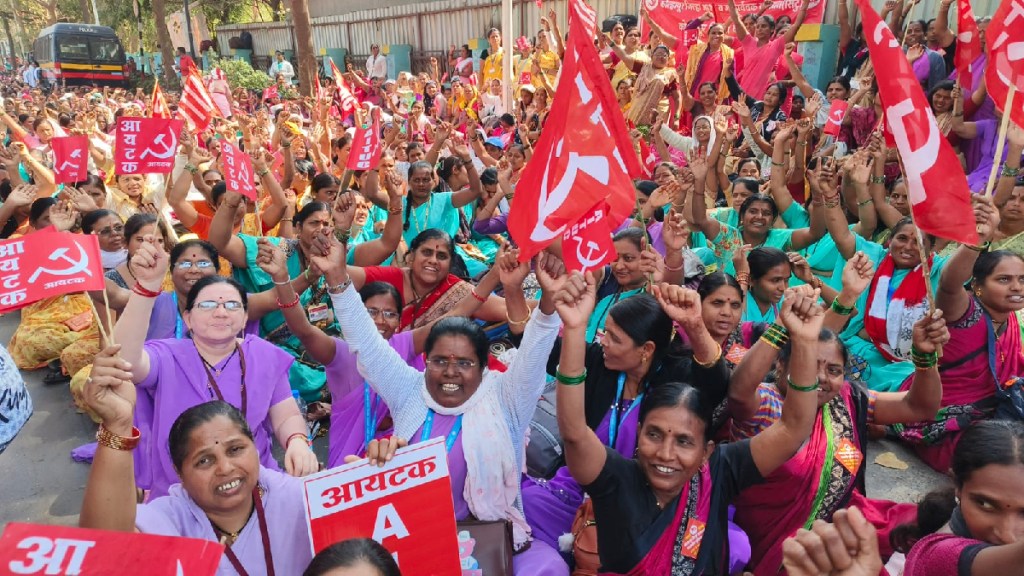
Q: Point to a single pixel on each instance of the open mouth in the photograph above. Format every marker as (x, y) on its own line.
(230, 486)
(450, 388)
(664, 469)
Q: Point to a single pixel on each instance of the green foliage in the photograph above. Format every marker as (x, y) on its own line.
(241, 75)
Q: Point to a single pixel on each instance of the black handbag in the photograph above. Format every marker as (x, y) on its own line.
(544, 452)
(492, 547)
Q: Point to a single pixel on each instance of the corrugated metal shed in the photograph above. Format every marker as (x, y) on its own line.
(433, 26)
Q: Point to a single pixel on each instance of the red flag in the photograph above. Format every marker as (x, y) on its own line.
(587, 244)
(237, 170)
(968, 42)
(836, 113)
(47, 264)
(573, 169)
(348, 102)
(1005, 57)
(366, 148)
(196, 105)
(939, 197)
(145, 145)
(159, 104)
(70, 159)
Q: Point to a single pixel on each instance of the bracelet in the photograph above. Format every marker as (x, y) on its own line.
(713, 361)
(297, 435)
(1010, 172)
(982, 248)
(923, 360)
(743, 278)
(479, 298)
(144, 292)
(397, 210)
(291, 304)
(793, 386)
(191, 168)
(107, 438)
(262, 173)
(865, 203)
(878, 179)
(840, 309)
(831, 203)
(282, 283)
(510, 320)
(339, 288)
(677, 269)
(778, 164)
(288, 145)
(775, 336)
(803, 143)
(570, 380)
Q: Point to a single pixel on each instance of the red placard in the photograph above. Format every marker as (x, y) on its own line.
(406, 506)
(366, 148)
(48, 263)
(673, 15)
(587, 244)
(146, 145)
(836, 113)
(40, 549)
(1006, 58)
(237, 170)
(70, 159)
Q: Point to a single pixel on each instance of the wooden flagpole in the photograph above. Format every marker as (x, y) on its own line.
(1000, 141)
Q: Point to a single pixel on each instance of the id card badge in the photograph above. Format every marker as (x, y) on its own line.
(849, 456)
(692, 538)
(318, 313)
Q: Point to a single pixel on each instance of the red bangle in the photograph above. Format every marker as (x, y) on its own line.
(288, 305)
(143, 291)
(299, 434)
(478, 297)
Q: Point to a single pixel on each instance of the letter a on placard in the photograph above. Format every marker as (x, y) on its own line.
(388, 524)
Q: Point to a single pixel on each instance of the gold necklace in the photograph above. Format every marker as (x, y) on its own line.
(416, 219)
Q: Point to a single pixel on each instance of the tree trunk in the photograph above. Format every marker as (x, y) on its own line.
(275, 10)
(10, 39)
(304, 46)
(163, 37)
(83, 6)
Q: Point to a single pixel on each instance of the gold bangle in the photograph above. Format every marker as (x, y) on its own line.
(107, 438)
(713, 361)
(516, 322)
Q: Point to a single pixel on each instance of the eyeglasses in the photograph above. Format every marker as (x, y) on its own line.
(633, 34)
(211, 305)
(386, 314)
(116, 229)
(441, 363)
(188, 264)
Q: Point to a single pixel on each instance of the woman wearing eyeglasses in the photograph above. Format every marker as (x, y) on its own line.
(215, 364)
(358, 414)
(457, 393)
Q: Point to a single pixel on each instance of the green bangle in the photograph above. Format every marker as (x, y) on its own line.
(1010, 172)
(878, 179)
(793, 386)
(840, 309)
(865, 203)
(982, 248)
(570, 380)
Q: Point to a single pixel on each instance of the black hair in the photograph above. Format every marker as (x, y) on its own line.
(91, 180)
(38, 208)
(193, 293)
(351, 553)
(212, 171)
(459, 326)
(217, 191)
(446, 168)
(946, 85)
(196, 416)
(712, 282)
(771, 24)
(492, 31)
(456, 266)
(179, 250)
(739, 165)
(310, 209)
(489, 176)
(907, 221)
(796, 97)
(643, 320)
(381, 289)
(764, 258)
(322, 180)
(758, 198)
(421, 165)
(711, 84)
(750, 184)
(783, 91)
(700, 401)
(986, 443)
(632, 234)
(306, 168)
(842, 81)
(341, 141)
(39, 122)
(411, 146)
(415, 166)
(986, 264)
(508, 119)
(824, 336)
(90, 219)
(137, 222)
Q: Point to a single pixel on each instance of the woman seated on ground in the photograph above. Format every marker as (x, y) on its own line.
(358, 414)
(457, 391)
(984, 360)
(679, 479)
(214, 363)
(795, 495)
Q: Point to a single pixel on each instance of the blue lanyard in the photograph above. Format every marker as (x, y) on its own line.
(428, 425)
(614, 420)
(179, 326)
(369, 416)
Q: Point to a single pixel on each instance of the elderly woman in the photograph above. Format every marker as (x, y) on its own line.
(458, 392)
(213, 364)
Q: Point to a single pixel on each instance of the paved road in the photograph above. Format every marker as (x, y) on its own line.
(40, 483)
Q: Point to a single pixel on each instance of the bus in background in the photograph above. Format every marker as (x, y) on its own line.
(81, 55)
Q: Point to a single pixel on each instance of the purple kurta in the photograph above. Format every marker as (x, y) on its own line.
(177, 381)
(979, 153)
(177, 515)
(348, 416)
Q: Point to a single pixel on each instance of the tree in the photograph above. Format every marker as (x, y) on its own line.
(304, 46)
(50, 6)
(163, 38)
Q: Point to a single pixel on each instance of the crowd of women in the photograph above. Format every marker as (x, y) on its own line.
(772, 307)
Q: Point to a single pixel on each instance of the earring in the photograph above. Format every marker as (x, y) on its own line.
(977, 292)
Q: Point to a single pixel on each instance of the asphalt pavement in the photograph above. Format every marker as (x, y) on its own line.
(40, 483)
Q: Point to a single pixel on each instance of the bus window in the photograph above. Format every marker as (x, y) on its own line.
(106, 50)
(72, 48)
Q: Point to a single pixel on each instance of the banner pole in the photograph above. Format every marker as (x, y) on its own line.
(99, 320)
(1000, 141)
